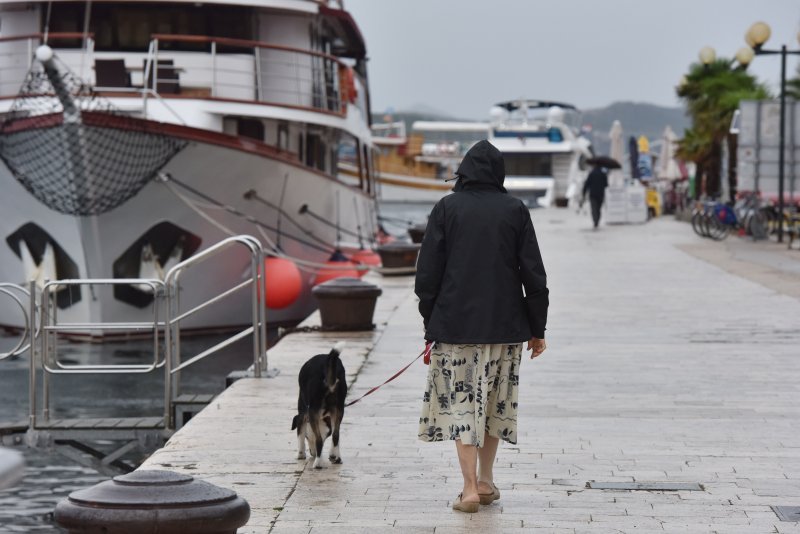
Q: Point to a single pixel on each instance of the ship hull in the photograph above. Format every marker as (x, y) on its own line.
(102, 246)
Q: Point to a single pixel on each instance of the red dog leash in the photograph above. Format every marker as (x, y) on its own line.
(426, 352)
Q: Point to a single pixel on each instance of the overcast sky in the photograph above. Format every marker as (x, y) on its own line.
(461, 56)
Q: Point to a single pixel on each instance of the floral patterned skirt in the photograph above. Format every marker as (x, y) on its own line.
(471, 389)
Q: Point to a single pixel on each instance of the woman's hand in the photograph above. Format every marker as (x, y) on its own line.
(537, 346)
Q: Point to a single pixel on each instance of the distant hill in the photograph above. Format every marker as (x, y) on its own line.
(636, 118)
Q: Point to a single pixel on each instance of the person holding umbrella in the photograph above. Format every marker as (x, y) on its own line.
(596, 184)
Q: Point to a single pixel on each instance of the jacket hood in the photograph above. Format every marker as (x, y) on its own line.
(483, 164)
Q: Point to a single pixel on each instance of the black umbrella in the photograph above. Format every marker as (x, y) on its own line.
(604, 161)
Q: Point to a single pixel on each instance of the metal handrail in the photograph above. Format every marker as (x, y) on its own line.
(173, 364)
(20, 347)
(50, 362)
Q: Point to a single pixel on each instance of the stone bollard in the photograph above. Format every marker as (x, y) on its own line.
(152, 501)
(347, 304)
(398, 255)
(417, 232)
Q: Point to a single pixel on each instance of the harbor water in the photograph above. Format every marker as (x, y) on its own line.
(50, 477)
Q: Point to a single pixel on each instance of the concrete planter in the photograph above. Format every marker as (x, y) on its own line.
(347, 304)
(399, 255)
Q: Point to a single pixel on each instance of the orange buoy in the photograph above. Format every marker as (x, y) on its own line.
(337, 260)
(366, 256)
(283, 282)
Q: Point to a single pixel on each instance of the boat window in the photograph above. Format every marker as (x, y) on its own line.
(315, 151)
(349, 164)
(528, 164)
(251, 128)
(128, 26)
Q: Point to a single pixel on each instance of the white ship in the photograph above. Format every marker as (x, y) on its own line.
(145, 132)
(545, 157)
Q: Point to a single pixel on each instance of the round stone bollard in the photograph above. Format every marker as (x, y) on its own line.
(161, 502)
(347, 304)
(398, 255)
(417, 232)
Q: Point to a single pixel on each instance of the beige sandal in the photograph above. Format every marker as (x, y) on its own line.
(489, 498)
(466, 507)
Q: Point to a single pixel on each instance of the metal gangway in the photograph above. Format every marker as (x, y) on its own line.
(76, 438)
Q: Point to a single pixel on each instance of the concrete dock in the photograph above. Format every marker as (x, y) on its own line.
(667, 363)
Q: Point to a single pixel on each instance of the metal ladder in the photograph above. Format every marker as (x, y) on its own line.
(73, 437)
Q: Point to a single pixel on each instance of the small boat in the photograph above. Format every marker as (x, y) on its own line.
(413, 168)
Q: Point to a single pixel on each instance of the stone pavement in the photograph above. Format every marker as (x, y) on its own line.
(661, 367)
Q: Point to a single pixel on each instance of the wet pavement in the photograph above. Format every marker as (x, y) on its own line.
(662, 368)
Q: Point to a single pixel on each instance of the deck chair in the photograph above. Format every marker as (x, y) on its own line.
(111, 73)
(168, 81)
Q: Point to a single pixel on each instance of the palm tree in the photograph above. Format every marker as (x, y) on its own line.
(793, 86)
(712, 93)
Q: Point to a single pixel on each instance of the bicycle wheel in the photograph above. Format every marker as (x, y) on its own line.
(717, 230)
(697, 223)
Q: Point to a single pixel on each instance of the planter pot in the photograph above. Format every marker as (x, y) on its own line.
(347, 304)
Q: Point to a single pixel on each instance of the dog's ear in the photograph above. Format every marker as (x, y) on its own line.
(297, 421)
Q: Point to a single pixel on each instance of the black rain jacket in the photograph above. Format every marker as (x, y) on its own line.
(478, 253)
(596, 184)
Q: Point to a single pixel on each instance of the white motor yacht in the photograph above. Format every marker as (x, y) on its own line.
(136, 134)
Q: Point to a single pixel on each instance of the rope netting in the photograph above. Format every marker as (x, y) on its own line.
(74, 151)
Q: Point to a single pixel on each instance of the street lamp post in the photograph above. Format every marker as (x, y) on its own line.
(756, 36)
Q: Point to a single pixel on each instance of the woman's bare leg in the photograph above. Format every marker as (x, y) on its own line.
(468, 460)
(486, 456)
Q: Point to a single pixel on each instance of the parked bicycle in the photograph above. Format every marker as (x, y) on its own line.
(716, 220)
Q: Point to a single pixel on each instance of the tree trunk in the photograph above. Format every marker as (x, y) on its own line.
(733, 162)
(699, 189)
(714, 169)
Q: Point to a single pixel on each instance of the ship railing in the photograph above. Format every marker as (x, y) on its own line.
(244, 70)
(257, 331)
(17, 56)
(203, 67)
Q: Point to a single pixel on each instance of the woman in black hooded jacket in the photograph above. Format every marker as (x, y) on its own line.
(478, 254)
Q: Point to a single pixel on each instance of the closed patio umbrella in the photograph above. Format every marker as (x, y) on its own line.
(667, 166)
(617, 152)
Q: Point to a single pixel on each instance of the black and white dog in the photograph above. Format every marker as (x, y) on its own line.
(320, 406)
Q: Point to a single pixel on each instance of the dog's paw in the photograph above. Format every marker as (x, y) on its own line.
(318, 463)
(301, 455)
(335, 459)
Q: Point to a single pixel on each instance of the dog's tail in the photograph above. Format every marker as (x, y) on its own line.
(331, 379)
(337, 349)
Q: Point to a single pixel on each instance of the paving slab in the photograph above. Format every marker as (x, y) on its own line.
(665, 365)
